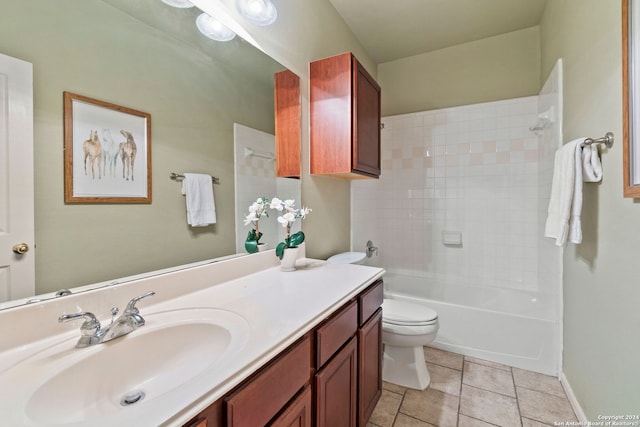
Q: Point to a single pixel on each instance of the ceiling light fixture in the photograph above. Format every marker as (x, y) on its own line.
(182, 4)
(213, 28)
(259, 12)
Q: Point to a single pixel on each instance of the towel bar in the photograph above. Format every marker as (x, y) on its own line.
(179, 177)
(606, 140)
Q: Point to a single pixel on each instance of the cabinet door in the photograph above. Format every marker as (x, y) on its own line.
(330, 108)
(369, 367)
(336, 389)
(298, 413)
(287, 124)
(366, 126)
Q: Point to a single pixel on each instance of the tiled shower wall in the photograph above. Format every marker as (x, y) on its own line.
(472, 170)
(549, 105)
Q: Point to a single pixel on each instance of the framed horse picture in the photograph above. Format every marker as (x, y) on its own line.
(107, 152)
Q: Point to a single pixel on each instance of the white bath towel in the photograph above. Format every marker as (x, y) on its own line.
(201, 207)
(575, 163)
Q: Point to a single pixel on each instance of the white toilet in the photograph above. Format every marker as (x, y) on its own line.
(406, 328)
(348, 258)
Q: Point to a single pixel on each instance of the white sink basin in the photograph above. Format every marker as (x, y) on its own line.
(64, 385)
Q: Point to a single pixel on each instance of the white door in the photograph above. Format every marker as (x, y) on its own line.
(17, 267)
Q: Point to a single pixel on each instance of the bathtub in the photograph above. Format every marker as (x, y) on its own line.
(508, 326)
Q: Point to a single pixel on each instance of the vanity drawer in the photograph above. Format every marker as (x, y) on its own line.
(370, 301)
(266, 394)
(335, 332)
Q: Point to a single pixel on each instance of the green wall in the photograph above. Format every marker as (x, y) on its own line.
(601, 287)
(495, 68)
(90, 48)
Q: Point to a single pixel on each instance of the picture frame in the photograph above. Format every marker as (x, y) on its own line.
(107, 152)
(631, 98)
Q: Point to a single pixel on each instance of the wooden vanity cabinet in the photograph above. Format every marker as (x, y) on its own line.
(337, 388)
(349, 378)
(298, 413)
(266, 394)
(345, 118)
(336, 379)
(332, 377)
(369, 367)
(210, 417)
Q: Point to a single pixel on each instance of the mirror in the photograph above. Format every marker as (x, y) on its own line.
(631, 96)
(147, 56)
(255, 175)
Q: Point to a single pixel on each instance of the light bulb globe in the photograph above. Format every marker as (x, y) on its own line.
(214, 29)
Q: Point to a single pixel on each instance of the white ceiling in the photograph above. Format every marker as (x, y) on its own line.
(393, 29)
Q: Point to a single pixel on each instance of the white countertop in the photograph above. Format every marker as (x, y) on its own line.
(279, 308)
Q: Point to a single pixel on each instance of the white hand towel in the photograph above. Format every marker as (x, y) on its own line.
(591, 165)
(201, 207)
(575, 163)
(575, 220)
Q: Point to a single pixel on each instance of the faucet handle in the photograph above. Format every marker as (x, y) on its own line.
(90, 326)
(371, 249)
(131, 305)
(114, 313)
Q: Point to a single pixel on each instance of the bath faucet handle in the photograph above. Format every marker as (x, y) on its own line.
(131, 305)
(371, 249)
(90, 326)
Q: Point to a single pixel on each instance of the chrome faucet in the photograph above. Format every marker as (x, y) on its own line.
(91, 332)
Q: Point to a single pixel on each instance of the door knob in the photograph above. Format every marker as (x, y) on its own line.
(21, 248)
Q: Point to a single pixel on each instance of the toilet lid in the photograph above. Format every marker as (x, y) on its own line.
(347, 258)
(407, 313)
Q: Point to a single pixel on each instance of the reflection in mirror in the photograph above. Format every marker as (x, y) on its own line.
(148, 56)
(631, 96)
(255, 177)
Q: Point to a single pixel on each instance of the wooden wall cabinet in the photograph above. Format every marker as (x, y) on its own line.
(345, 118)
(332, 376)
(287, 124)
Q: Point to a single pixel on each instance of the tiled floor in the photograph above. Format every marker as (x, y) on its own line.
(469, 392)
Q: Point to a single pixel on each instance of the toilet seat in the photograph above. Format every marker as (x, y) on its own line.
(402, 313)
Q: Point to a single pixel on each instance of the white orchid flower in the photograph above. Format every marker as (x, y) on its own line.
(290, 217)
(276, 204)
(283, 221)
(254, 207)
(288, 204)
(249, 218)
(304, 212)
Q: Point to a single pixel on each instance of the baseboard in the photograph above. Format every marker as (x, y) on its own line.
(572, 399)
